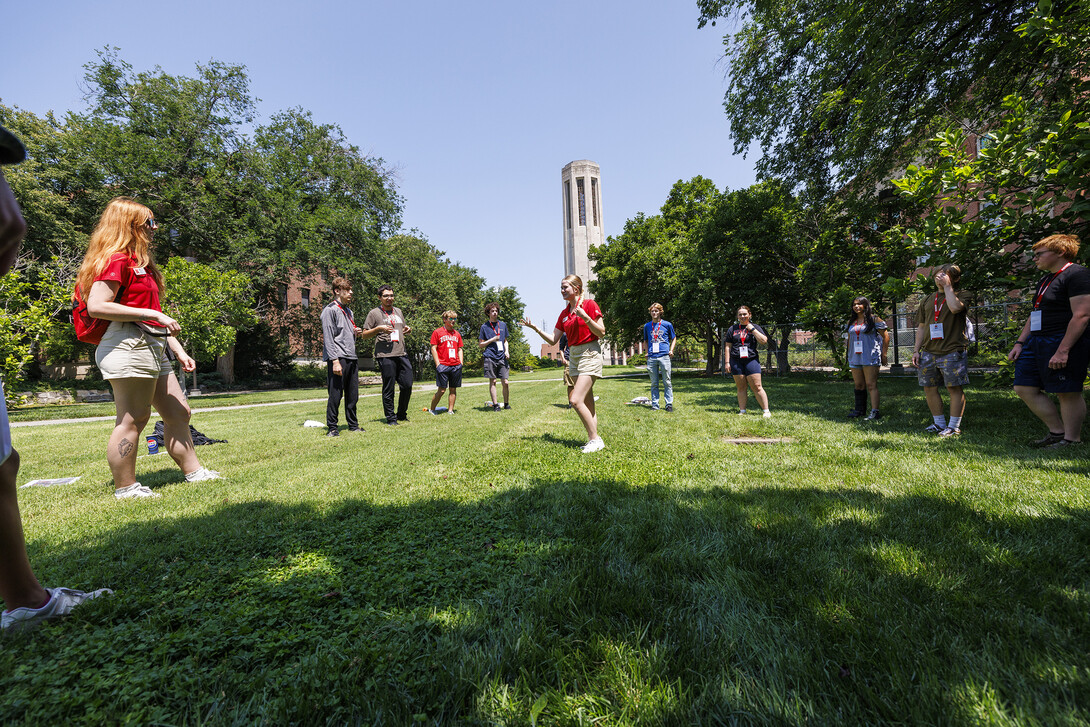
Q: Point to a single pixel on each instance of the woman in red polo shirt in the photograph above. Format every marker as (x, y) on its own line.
(121, 284)
(581, 321)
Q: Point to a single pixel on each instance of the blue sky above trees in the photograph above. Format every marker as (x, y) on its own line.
(477, 105)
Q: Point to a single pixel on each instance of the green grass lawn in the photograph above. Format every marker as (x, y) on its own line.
(478, 569)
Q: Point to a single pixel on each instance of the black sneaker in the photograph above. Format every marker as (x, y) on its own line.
(333, 433)
(497, 407)
(874, 414)
(1049, 440)
(392, 422)
(669, 407)
(357, 429)
(1064, 442)
(854, 413)
(506, 406)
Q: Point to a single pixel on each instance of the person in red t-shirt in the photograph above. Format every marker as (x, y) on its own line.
(446, 351)
(581, 321)
(121, 284)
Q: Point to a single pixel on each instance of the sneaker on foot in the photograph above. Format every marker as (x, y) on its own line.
(1064, 442)
(934, 428)
(766, 414)
(333, 433)
(594, 445)
(949, 432)
(201, 475)
(134, 490)
(874, 414)
(654, 407)
(61, 602)
(496, 407)
(741, 412)
(854, 413)
(669, 407)
(506, 406)
(432, 412)
(1048, 440)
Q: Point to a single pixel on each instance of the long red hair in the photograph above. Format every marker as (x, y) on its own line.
(123, 227)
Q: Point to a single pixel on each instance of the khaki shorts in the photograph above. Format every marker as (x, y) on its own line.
(586, 360)
(568, 380)
(127, 352)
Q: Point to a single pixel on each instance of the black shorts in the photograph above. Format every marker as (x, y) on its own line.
(744, 366)
(448, 377)
(1031, 366)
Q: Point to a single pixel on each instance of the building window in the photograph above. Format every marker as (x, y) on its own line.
(305, 293)
(594, 199)
(581, 191)
(283, 292)
(567, 203)
(983, 142)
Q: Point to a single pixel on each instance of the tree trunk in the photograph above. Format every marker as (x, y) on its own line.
(225, 366)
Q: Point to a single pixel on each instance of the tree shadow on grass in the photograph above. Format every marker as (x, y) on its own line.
(654, 605)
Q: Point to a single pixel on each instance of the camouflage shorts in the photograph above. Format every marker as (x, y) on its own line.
(953, 367)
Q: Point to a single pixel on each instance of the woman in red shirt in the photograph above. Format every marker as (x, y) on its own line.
(121, 284)
(581, 321)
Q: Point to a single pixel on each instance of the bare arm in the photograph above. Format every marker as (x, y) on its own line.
(188, 364)
(435, 353)
(551, 341)
(101, 305)
(921, 334)
(1080, 315)
(12, 227)
(761, 338)
(1016, 349)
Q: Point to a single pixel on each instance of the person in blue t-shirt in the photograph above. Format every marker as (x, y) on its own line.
(660, 338)
(497, 355)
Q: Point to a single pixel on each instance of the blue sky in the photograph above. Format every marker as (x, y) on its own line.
(477, 105)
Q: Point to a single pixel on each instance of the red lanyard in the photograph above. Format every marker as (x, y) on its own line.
(655, 332)
(742, 334)
(496, 331)
(859, 328)
(938, 306)
(1041, 291)
(391, 320)
(347, 313)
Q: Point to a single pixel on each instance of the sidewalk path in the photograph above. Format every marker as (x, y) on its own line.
(426, 387)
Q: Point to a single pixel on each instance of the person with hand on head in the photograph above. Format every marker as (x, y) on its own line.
(941, 351)
(388, 324)
(121, 284)
(745, 363)
(868, 341)
(447, 352)
(581, 320)
(339, 331)
(497, 355)
(1052, 353)
(660, 339)
(27, 603)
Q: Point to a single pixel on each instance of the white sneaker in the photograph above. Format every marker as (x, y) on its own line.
(766, 414)
(594, 445)
(134, 490)
(61, 602)
(201, 475)
(742, 412)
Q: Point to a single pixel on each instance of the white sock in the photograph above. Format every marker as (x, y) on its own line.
(741, 411)
(766, 411)
(955, 422)
(940, 421)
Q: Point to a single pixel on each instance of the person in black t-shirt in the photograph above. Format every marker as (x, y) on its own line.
(1053, 351)
(745, 364)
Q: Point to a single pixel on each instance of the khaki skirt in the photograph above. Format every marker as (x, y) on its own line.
(128, 352)
(586, 360)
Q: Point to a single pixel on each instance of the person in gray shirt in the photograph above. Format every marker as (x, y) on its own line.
(339, 331)
(388, 323)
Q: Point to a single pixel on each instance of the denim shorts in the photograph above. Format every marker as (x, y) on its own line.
(1031, 366)
(951, 369)
(744, 366)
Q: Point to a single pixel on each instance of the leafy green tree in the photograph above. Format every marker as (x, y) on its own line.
(209, 305)
(836, 92)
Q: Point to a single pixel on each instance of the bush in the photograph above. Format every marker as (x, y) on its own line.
(261, 353)
(640, 359)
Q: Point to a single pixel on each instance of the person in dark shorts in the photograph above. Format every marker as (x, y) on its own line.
(1053, 351)
(446, 351)
(388, 324)
(941, 350)
(497, 355)
(745, 364)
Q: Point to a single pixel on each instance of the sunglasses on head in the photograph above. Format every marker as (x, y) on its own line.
(150, 223)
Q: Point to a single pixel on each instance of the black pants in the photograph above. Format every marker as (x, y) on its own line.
(399, 369)
(348, 383)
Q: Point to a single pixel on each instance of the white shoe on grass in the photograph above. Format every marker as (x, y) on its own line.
(594, 445)
(61, 602)
(134, 490)
(766, 414)
(201, 475)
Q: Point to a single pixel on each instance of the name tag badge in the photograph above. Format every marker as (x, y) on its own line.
(1035, 320)
(936, 331)
(656, 348)
(858, 348)
(140, 271)
(450, 351)
(743, 351)
(395, 336)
